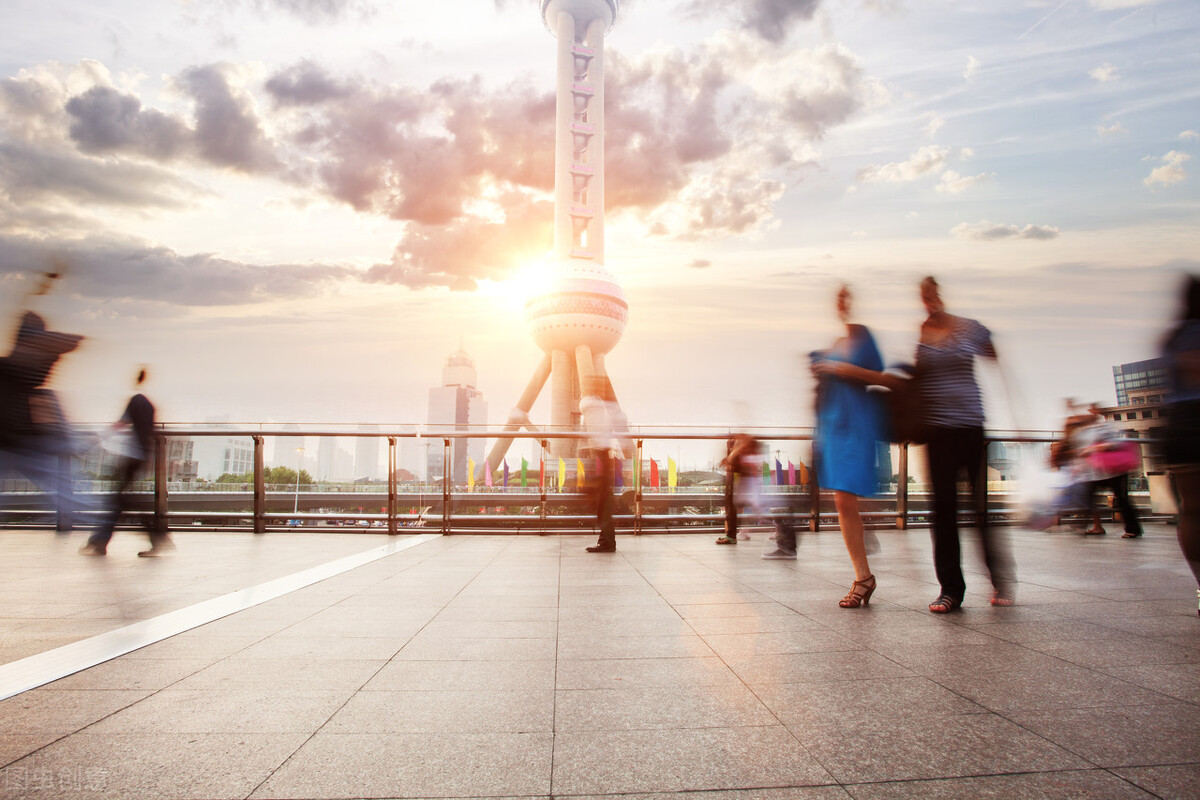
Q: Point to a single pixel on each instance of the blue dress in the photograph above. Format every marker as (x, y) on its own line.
(850, 421)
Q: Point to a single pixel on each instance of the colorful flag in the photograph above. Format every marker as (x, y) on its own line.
(562, 474)
(505, 462)
(578, 473)
(791, 473)
(804, 476)
(766, 474)
(542, 472)
(637, 472)
(470, 473)
(778, 473)
(672, 473)
(524, 470)
(653, 474)
(487, 474)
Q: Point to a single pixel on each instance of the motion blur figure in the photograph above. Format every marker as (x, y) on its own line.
(743, 482)
(1181, 445)
(136, 451)
(602, 419)
(850, 423)
(35, 439)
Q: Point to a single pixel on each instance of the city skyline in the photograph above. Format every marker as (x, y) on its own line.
(293, 210)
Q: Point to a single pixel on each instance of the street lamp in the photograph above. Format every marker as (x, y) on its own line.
(299, 453)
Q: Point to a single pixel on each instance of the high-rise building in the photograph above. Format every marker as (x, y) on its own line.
(456, 405)
(1137, 378)
(366, 454)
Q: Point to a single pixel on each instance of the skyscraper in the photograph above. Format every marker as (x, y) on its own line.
(457, 405)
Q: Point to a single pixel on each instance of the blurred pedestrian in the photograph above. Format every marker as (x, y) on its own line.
(850, 423)
(601, 416)
(743, 486)
(135, 451)
(35, 438)
(1181, 445)
(1104, 461)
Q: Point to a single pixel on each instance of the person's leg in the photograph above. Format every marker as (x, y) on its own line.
(98, 542)
(1187, 494)
(851, 524)
(997, 556)
(1129, 515)
(608, 529)
(943, 478)
(731, 510)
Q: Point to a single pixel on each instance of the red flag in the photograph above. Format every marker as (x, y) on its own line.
(653, 474)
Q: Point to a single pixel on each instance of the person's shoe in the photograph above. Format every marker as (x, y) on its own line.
(90, 549)
(1095, 532)
(727, 540)
(1003, 599)
(945, 604)
(1131, 535)
(859, 594)
(602, 548)
(743, 535)
(779, 554)
(158, 548)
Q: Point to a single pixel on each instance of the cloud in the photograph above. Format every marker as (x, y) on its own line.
(1116, 129)
(1189, 136)
(934, 125)
(106, 268)
(458, 254)
(973, 65)
(1105, 73)
(1116, 5)
(700, 263)
(312, 11)
(104, 120)
(953, 183)
(771, 20)
(987, 231)
(228, 132)
(1171, 171)
(929, 158)
(305, 84)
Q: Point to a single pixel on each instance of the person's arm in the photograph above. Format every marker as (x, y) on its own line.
(870, 377)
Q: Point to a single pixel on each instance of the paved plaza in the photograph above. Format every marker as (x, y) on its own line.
(523, 667)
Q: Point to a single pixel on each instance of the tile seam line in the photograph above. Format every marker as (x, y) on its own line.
(38, 670)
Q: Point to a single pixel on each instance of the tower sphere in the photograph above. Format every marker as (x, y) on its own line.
(583, 305)
(582, 10)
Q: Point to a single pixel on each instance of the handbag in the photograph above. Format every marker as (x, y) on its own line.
(1117, 458)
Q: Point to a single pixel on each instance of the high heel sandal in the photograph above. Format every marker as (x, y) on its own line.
(945, 604)
(859, 594)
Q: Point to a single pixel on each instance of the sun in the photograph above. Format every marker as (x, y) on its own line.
(530, 280)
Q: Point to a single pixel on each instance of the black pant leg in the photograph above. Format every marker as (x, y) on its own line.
(941, 450)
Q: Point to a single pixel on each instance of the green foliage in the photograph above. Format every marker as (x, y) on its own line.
(274, 475)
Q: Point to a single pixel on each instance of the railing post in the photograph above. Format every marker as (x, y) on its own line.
(391, 490)
(902, 489)
(160, 483)
(542, 482)
(445, 486)
(260, 488)
(637, 491)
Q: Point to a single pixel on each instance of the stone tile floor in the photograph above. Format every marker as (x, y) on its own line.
(523, 667)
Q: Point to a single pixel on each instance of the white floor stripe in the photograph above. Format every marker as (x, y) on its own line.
(40, 669)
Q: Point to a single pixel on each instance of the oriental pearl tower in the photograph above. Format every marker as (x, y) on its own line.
(582, 313)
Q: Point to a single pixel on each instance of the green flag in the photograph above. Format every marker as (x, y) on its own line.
(524, 468)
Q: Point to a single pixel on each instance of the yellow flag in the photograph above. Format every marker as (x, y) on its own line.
(470, 473)
(579, 473)
(562, 474)
(672, 473)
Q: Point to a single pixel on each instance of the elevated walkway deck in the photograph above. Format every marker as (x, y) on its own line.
(523, 667)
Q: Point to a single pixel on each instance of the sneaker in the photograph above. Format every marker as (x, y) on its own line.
(90, 549)
(780, 555)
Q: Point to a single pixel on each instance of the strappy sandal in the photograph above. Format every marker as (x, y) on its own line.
(727, 540)
(859, 594)
(945, 604)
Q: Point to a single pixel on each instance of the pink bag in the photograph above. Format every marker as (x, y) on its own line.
(1116, 459)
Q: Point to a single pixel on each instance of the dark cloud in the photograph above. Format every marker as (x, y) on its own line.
(103, 268)
(989, 231)
(105, 120)
(772, 20)
(228, 132)
(38, 174)
(471, 248)
(303, 85)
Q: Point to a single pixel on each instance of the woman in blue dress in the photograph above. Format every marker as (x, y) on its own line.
(850, 423)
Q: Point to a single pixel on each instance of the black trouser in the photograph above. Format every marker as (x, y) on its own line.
(951, 451)
(604, 501)
(731, 512)
(120, 502)
(1119, 486)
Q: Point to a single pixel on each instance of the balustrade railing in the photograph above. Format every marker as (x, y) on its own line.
(653, 489)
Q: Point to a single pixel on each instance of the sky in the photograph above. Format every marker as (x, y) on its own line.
(296, 210)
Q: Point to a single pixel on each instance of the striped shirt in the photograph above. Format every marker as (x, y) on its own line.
(950, 396)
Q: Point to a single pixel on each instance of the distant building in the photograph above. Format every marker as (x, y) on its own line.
(1139, 378)
(366, 454)
(216, 455)
(456, 405)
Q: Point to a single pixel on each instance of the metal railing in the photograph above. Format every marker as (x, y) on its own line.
(545, 503)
